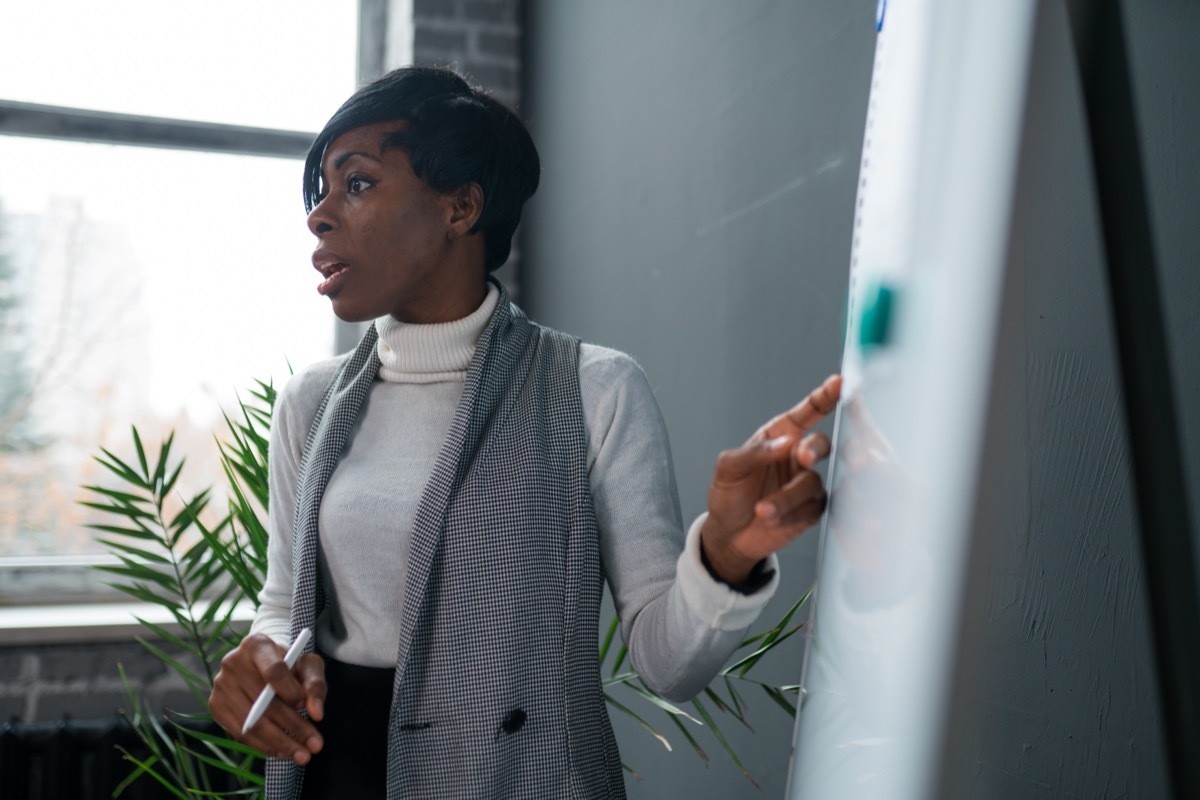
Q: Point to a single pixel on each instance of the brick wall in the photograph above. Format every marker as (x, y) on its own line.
(44, 683)
(481, 40)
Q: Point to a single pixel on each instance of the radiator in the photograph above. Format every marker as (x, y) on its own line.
(72, 760)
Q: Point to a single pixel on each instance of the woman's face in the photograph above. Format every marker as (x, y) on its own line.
(386, 240)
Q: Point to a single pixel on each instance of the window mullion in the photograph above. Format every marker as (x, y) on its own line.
(84, 125)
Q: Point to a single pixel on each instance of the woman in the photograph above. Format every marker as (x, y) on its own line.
(448, 499)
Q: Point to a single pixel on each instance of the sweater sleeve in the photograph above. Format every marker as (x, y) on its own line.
(294, 411)
(680, 623)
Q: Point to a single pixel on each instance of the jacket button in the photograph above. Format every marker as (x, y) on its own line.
(513, 722)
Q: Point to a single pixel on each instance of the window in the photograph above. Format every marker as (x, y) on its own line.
(142, 283)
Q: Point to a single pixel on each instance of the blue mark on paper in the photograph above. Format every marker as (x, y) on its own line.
(880, 12)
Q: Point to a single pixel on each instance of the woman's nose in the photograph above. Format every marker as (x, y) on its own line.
(320, 220)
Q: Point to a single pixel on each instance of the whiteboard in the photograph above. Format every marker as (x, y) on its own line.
(927, 264)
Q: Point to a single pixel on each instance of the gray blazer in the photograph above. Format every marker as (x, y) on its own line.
(497, 691)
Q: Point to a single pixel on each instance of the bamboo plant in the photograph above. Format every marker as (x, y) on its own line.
(202, 572)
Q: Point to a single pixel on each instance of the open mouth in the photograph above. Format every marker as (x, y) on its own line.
(335, 275)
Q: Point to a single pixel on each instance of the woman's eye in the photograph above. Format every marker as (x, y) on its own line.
(356, 183)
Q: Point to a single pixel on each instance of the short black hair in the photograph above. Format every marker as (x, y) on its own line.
(455, 134)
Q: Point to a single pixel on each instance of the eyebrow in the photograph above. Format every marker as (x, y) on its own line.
(344, 157)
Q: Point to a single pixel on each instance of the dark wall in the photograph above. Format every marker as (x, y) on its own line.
(1064, 701)
(700, 159)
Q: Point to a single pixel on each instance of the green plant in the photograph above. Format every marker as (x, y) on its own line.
(201, 573)
(731, 703)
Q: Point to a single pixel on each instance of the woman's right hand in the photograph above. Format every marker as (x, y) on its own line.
(282, 732)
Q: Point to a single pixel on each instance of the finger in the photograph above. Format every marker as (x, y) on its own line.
(784, 529)
(809, 411)
(806, 514)
(227, 710)
(269, 734)
(274, 670)
(813, 448)
(239, 682)
(289, 732)
(780, 508)
(310, 670)
(741, 462)
(275, 742)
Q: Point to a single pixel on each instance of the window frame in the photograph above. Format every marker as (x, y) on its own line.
(384, 38)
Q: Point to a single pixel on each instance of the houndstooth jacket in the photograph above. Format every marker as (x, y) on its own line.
(497, 691)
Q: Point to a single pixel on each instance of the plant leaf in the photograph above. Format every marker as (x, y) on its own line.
(716, 699)
(137, 533)
(624, 677)
(224, 742)
(637, 718)
(134, 551)
(738, 702)
(122, 470)
(169, 483)
(146, 768)
(624, 651)
(691, 739)
(608, 637)
(160, 469)
(720, 737)
(131, 512)
(233, 769)
(191, 678)
(121, 497)
(141, 452)
(168, 636)
(777, 696)
(662, 703)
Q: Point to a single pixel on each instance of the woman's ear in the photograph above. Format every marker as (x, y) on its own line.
(466, 208)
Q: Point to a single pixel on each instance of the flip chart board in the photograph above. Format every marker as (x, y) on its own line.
(930, 239)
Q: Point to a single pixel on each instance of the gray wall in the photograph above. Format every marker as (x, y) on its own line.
(700, 161)
(699, 167)
(1064, 703)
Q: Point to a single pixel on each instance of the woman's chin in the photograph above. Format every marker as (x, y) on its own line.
(352, 312)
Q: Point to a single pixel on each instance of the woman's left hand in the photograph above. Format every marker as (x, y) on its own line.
(765, 493)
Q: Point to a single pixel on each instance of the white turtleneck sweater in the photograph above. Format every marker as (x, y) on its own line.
(681, 625)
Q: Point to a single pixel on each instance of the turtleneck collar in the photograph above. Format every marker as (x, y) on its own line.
(431, 353)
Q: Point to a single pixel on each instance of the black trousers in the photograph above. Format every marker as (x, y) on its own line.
(353, 762)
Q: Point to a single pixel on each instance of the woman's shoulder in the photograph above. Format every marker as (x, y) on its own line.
(610, 380)
(603, 371)
(302, 394)
(601, 364)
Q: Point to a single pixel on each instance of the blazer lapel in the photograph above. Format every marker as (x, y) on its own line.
(501, 346)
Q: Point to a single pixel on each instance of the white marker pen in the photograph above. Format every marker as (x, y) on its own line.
(268, 692)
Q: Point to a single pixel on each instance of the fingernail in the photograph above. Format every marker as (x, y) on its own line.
(301, 757)
(313, 744)
(768, 510)
(777, 442)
